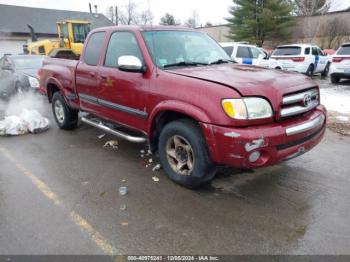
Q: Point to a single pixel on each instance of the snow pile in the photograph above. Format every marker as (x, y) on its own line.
(335, 99)
(28, 121)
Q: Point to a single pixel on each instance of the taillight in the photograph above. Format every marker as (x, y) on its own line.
(337, 59)
(298, 59)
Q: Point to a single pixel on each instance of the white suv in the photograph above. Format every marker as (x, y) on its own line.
(340, 67)
(249, 55)
(303, 58)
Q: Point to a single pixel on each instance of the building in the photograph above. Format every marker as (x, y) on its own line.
(14, 32)
(327, 31)
(218, 32)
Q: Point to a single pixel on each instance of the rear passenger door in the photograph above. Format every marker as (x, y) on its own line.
(244, 55)
(323, 60)
(122, 94)
(319, 60)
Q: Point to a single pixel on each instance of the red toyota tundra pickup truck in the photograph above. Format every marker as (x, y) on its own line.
(178, 90)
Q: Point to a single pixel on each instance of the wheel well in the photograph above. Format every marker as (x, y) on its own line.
(160, 121)
(51, 89)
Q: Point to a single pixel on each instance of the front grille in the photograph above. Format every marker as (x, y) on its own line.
(299, 103)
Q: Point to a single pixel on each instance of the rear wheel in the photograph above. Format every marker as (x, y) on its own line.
(66, 117)
(310, 70)
(184, 155)
(335, 80)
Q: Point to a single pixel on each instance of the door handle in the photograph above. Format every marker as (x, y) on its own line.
(104, 78)
(92, 74)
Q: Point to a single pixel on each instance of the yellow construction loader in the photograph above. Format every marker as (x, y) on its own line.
(71, 33)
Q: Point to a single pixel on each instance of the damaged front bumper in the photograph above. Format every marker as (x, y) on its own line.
(265, 145)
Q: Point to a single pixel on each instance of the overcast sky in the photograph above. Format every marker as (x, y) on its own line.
(213, 11)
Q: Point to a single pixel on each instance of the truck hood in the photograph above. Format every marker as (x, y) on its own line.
(250, 80)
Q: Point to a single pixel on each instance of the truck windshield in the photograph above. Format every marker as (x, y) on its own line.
(80, 32)
(183, 48)
(287, 50)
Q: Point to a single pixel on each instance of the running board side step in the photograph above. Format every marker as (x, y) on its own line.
(117, 133)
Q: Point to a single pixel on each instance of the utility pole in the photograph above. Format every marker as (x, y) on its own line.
(116, 15)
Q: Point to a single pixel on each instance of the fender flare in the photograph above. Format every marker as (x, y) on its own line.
(179, 107)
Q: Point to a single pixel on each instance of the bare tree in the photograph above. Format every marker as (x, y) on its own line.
(310, 7)
(130, 15)
(333, 32)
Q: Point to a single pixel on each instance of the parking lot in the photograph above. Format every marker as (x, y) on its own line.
(59, 195)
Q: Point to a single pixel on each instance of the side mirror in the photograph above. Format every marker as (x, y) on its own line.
(261, 57)
(131, 64)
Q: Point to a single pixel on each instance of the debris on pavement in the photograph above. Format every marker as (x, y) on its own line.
(112, 143)
(339, 123)
(101, 136)
(155, 179)
(28, 121)
(123, 190)
(156, 168)
(150, 160)
(123, 207)
(124, 223)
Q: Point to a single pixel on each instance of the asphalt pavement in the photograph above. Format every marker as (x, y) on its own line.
(59, 195)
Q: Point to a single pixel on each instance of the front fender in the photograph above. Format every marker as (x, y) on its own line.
(179, 107)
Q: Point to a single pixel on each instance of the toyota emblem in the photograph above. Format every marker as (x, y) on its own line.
(307, 100)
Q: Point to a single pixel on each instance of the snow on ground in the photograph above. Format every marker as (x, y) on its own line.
(336, 98)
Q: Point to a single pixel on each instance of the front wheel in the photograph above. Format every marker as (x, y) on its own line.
(184, 155)
(66, 117)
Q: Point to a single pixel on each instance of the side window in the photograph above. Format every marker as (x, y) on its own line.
(121, 44)
(314, 51)
(243, 52)
(42, 50)
(256, 52)
(307, 51)
(228, 50)
(94, 48)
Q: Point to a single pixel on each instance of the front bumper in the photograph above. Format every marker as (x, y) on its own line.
(274, 142)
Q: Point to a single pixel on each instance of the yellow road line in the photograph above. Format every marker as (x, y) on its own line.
(84, 225)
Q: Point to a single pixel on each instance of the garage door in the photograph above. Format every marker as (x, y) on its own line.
(11, 47)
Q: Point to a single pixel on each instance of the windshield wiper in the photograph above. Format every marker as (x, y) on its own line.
(184, 63)
(221, 61)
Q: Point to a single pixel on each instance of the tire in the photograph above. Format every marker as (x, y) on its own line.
(181, 142)
(66, 117)
(335, 80)
(19, 88)
(326, 70)
(310, 70)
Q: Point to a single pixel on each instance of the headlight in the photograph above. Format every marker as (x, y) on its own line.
(247, 108)
(34, 83)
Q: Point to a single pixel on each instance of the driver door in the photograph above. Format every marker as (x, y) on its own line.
(122, 94)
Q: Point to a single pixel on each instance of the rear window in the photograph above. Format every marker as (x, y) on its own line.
(287, 50)
(94, 48)
(228, 50)
(344, 50)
